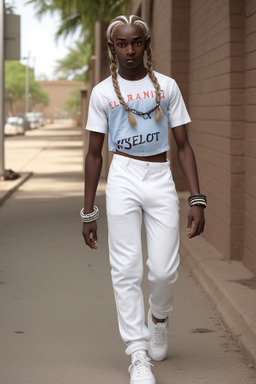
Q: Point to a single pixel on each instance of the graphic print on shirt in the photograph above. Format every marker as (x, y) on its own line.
(139, 96)
(139, 139)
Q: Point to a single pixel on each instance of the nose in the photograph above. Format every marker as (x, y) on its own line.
(130, 49)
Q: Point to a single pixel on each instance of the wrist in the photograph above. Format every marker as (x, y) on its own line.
(91, 216)
(197, 200)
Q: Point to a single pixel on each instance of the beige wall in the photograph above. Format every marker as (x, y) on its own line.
(209, 47)
(59, 92)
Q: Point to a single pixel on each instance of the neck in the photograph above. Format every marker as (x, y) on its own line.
(131, 74)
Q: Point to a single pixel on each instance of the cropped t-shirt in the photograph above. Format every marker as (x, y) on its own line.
(148, 138)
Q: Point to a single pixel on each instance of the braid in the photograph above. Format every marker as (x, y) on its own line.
(113, 69)
(122, 20)
(159, 113)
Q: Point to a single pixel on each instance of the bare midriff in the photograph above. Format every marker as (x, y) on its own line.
(159, 158)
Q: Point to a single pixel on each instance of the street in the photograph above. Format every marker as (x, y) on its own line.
(58, 321)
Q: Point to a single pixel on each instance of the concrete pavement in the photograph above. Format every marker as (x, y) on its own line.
(58, 321)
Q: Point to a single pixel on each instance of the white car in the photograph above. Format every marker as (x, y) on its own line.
(40, 118)
(33, 120)
(11, 126)
(16, 125)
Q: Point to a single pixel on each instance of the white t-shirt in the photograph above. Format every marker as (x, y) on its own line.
(148, 138)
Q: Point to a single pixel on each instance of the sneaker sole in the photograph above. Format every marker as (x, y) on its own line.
(150, 381)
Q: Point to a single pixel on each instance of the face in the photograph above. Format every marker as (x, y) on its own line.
(129, 44)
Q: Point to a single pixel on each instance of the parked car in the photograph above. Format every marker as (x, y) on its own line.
(40, 118)
(33, 120)
(11, 126)
(23, 124)
(16, 125)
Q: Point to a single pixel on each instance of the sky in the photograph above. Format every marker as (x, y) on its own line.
(38, 40)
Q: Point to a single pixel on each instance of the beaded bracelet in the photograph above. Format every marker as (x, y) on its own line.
(198, 200)
(89, 217)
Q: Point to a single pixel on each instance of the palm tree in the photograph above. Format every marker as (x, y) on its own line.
(73, 66)
(81, 14)
(8, 8)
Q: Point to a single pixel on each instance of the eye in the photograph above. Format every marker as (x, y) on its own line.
(121, 45)
(138, 43)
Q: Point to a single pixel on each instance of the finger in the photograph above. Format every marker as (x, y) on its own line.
(197, 229)
(93, 240)
(88, 240)
(190, 222)
(191, 229)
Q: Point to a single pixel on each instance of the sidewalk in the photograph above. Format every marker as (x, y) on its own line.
(58, 321)
(229, 284)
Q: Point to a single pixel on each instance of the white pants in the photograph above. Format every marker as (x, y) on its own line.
(136, 190)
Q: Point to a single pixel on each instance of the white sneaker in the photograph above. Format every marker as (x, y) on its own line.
(158, 345)
(140, 370)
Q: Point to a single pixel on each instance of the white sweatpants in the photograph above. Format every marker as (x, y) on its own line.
(137, 190)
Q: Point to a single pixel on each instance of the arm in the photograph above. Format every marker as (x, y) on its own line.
(188, 165)
(93, 165)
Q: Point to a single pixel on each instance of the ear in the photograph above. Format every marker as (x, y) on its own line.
(147, 42)
(111, 46)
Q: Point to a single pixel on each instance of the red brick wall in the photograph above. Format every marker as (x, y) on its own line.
(250, 138)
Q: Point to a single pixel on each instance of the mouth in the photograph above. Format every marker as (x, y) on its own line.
(130, 60)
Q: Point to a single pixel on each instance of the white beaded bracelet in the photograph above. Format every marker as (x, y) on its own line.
(89, 217)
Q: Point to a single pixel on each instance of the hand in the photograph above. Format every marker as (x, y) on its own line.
(90, 234)
(195, 221)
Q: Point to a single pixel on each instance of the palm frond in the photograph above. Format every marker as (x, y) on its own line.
(81, 14)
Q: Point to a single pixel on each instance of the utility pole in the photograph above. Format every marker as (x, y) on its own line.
(9, 50)
(27, 85)
(2, 87)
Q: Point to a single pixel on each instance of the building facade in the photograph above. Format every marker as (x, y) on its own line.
(209, 48)
(58, 91)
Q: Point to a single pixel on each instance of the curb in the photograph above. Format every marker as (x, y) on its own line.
(222, 280)
(8, 187)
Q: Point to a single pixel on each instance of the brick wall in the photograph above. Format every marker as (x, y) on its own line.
(161, 35)
(170, 36)
(209, 108)
(250, 138)
(216, 107)
(180, 71)
(237, 136)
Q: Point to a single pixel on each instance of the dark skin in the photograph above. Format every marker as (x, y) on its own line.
(129, 44)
